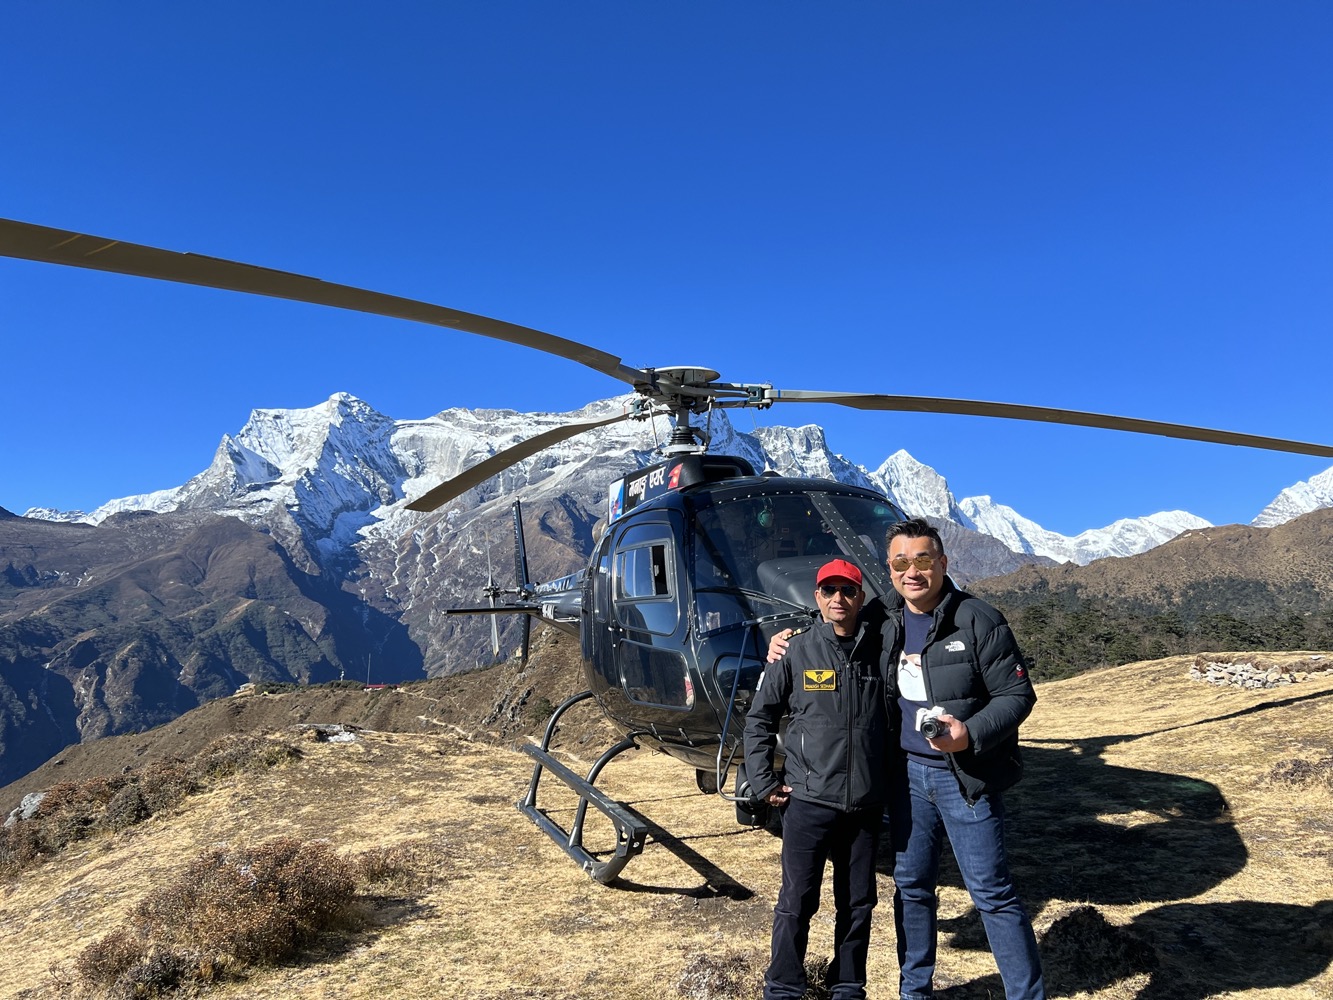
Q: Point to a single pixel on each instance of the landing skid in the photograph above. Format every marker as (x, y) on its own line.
(631, 831)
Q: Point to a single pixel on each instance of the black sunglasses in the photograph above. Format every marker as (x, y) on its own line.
(847, 590)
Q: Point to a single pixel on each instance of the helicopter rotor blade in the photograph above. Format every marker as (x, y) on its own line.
(502, 460)
(1050, 415)
(26, 241)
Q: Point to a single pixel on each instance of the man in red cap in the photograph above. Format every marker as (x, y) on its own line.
(832, 790)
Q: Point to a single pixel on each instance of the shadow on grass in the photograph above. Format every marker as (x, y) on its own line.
(379, 914)
(717, 883)
(1081, 830)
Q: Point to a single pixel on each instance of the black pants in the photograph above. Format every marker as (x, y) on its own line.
(811, 835)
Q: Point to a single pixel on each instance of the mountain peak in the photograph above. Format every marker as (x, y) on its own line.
(1300, 498)
(340, 467)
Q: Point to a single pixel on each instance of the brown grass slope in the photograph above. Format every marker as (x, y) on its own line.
(1165, 843)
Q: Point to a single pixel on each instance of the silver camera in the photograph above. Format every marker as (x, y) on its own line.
(928, 723)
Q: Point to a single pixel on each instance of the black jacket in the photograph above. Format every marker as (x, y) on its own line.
(974, 671)
(836, 743)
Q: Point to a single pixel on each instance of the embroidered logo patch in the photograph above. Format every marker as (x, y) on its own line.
(821, 680)
(956, 646)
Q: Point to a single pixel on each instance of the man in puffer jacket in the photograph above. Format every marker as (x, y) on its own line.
(832, 791)
(953, 652)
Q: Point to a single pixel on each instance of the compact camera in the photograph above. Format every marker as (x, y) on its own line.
(929, 724)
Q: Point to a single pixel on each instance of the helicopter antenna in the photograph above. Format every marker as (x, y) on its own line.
(657, 438)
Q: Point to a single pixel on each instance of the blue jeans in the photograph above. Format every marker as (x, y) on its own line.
(813, 834)
(927, 803)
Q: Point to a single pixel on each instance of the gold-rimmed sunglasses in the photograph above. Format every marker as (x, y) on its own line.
(922, 562)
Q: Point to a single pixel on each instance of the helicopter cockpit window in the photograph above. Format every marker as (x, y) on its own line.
(645, 580)
(642, 572)
(758, 555)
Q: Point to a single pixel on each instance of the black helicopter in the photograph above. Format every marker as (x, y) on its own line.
(702, 559)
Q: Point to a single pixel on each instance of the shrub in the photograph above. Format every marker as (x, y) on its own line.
(20, 845)
(73, 810)
(158, 973)
(69, 812)
(229, 908)
(164, 784)
(241, 752)
(730, 978)
(78, 798)
(104, 961)
(276, 687)
(1302, 772)
(126, 808)
(403, 868)
(250, 904)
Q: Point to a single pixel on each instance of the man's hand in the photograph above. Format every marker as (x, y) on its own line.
(777, 648)
(780, 797)
(957, 739)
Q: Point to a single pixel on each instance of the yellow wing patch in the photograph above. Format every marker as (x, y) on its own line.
(821, 680)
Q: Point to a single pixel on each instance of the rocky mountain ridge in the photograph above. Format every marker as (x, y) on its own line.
(339, 467)
(291, 557)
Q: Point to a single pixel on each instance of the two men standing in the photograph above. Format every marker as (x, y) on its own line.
(938, 648)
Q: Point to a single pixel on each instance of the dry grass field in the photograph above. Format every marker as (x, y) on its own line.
(1164, 843)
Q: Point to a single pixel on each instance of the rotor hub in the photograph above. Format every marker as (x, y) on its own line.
(688, 375)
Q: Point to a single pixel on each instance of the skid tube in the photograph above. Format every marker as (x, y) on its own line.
(631, 831)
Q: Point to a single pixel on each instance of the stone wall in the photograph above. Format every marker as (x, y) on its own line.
(1253, 671)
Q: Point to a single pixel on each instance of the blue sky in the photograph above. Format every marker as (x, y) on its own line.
(1119, 207)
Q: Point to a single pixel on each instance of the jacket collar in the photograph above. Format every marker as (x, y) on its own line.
(826, 628)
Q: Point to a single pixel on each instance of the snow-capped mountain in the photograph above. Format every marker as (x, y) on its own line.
(336, 476)
(1126, 537)
(1312, 494)
(918, 488)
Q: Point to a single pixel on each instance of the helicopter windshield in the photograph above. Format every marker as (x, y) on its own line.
(757, 555)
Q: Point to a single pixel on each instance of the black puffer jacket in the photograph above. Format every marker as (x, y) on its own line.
(974, 671)
(836, 742)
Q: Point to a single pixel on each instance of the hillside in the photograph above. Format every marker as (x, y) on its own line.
(124, 626)
(1229, 588)
(1163, 838)
(503, 703)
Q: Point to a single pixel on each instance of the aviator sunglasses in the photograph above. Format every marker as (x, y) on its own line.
(922, 562)
(847, 590)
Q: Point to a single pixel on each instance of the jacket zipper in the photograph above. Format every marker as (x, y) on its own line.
(925, 679)
(848, 686)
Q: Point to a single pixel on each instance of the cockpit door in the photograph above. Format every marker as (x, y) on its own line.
(646, 612)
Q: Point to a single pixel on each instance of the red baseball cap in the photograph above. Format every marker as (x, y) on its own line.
(838, 567)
